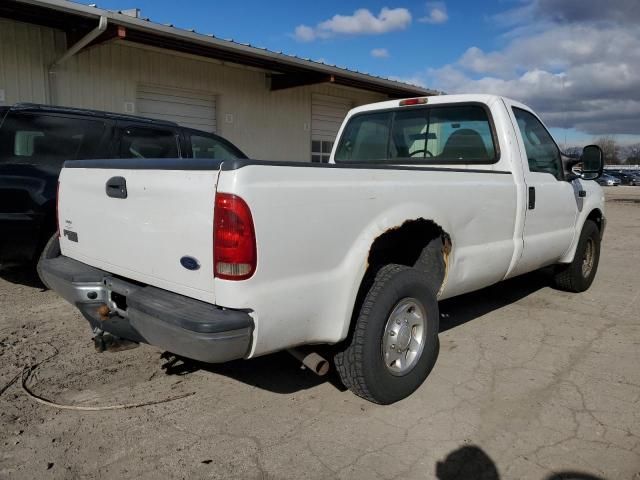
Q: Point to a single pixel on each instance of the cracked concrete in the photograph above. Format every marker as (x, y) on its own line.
(531, 382)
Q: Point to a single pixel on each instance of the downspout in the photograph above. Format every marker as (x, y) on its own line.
(75, 48)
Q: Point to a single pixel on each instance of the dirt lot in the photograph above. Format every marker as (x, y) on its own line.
(531, 383)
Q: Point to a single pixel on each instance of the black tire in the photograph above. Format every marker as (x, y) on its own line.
(361, 364)
(50, 250)
(572, 277)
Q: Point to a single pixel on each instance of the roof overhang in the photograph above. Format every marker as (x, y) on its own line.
(287, 71)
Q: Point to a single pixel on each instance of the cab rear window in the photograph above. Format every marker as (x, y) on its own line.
(460, 134)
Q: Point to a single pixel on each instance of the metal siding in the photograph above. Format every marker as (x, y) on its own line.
(266, 125)
(186, 107)
(26, 50)
(327, 113)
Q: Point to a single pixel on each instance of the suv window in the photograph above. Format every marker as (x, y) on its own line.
(543, 154)
(48, 140)
(144, 142)
(205, 146)
(450, 134)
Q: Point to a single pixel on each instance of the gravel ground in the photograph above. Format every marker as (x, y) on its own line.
(531, 383)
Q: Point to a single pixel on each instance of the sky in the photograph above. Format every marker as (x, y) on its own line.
(575, 62)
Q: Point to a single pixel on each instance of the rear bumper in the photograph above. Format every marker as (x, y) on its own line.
(179, 324)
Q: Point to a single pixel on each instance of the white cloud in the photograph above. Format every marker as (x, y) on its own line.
(380, 53)
(577, 68)
(436, 13)
(304, 33)
(362, 22)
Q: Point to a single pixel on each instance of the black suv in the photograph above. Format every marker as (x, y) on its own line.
(35, 140)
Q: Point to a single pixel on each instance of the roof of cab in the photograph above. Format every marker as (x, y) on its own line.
(432, 100)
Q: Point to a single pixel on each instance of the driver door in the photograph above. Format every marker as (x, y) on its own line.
(551, 208)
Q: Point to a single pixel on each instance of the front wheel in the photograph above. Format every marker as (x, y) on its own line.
(578, 275)
(394, 344)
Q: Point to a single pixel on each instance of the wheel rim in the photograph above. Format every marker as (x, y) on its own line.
(588, 258)
(404, 336)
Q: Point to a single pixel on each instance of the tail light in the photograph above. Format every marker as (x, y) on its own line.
(234, 239)
(414, 101)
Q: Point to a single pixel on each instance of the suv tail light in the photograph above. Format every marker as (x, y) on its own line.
(234, 239)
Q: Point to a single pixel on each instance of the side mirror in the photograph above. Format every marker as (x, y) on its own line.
(592, 162)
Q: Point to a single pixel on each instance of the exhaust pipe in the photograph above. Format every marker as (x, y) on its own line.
(310, 359)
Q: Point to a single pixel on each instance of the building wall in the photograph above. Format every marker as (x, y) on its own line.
(25, 52)
(264, 124)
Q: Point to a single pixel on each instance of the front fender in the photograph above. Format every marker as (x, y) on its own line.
(593, 201)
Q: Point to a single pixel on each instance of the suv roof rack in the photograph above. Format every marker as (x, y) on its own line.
(89, 113)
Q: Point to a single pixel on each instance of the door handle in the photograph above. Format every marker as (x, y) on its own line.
(532, 198)
(116, 187)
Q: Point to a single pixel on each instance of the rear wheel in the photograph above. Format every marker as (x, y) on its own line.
(578, 275)
(394, 344)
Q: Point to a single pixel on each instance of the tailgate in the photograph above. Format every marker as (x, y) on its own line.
(167, 215)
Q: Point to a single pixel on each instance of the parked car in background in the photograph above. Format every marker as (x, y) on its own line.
(626, 178)
(35, 140)
(635, 177)
(608, 180)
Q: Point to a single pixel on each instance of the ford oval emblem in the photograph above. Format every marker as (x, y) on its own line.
(189, 263)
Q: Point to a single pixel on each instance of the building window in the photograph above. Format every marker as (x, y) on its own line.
(320, 151)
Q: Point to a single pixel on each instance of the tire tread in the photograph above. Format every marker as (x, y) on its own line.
(349, 362)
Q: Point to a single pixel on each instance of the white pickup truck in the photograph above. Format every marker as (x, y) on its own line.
(422, 199)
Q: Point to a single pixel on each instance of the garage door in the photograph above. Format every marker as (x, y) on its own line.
(327, 113)
(185, 107)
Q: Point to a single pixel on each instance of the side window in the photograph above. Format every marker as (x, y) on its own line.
(48, 140)
(210, 147)
(143, 142)
(365, 138)
(542, 152)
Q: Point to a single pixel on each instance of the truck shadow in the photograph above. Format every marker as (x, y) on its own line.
(281, 373)
(471, 462)
(277, 373)
(460, 310)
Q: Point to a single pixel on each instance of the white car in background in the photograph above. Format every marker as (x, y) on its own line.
(608, 180)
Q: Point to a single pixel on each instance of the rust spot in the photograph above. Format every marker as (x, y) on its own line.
(416, 243)
(446, 244)
(103, 311)
(446, 252)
